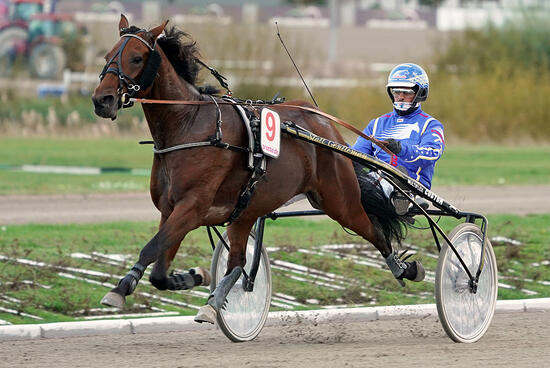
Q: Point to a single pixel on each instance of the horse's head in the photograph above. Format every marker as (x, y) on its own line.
(131, 67)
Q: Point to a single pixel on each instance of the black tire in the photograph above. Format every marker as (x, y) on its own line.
(47, 61)
(466, 316)
(9, 38)
(255, 305)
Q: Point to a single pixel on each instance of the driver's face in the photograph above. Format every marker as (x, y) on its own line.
(402, 94)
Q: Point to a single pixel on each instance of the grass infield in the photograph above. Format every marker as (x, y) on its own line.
(66, 284)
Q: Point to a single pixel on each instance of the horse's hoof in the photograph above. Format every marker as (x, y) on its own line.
(414, 272)
(206, 314)
(420, 272)
(205, 274)
(112, 299)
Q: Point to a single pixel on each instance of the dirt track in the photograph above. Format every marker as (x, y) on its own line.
(519, 200)
(513, 340)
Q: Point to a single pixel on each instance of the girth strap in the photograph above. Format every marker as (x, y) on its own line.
(258, 171)
(212, 143)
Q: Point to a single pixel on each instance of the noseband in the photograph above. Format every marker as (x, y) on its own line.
(124, 81)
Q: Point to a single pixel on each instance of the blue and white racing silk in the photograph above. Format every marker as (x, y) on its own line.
(421, 137)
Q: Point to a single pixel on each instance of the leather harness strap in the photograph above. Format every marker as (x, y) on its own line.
(378, 142)
(348, 126)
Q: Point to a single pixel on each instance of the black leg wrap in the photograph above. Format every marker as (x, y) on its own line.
(139, 268)
(129, 282)
(181, 281)
(197, 277)
(218, 299)
(188, 280)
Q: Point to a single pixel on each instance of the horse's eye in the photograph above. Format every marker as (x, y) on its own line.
(137, 59)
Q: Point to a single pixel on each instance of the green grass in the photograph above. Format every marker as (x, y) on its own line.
(100, 152)
(64, 301)
(33, 183)
(490, 165)
(109, 153)
(460, 165)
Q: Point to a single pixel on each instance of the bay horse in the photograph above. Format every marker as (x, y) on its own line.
(201, 186)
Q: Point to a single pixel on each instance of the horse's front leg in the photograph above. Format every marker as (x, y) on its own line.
(237, 234)
(176, 281)
(183, 219)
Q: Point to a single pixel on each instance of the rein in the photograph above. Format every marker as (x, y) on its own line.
(348, 126)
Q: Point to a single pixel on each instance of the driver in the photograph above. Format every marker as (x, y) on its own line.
(415, 138)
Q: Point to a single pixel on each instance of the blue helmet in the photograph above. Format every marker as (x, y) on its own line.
(412, 76)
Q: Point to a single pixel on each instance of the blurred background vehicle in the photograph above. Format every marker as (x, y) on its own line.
(37, 38)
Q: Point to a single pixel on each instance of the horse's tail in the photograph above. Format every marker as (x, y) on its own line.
(378, 206)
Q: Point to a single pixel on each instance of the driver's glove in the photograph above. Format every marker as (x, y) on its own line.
(393, 145)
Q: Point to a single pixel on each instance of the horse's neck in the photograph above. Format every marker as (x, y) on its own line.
(168, 123)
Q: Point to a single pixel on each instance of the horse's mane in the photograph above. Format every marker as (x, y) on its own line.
(183, 56)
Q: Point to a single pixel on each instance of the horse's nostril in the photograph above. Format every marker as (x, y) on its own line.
(107, 100)
(103, 101)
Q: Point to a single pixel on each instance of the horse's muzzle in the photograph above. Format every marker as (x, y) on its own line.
(106, 105)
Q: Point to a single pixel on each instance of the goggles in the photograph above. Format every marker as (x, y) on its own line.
(400, 90)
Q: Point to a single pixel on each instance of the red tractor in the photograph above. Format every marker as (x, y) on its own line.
(14, 31)
(36, 38)
(49, 33)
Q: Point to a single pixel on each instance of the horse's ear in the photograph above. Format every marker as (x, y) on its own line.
(123, 23)
(155, 32)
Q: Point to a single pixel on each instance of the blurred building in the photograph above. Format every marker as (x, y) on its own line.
(342, 37)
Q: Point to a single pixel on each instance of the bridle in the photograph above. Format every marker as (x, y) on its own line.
(126, 82)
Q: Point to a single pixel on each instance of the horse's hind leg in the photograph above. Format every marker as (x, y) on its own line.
(356, 219)
(349, 212)
(360, 223)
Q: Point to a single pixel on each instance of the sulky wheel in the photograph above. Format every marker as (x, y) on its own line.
(465, 315)
(246, 312)
(47, 61)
